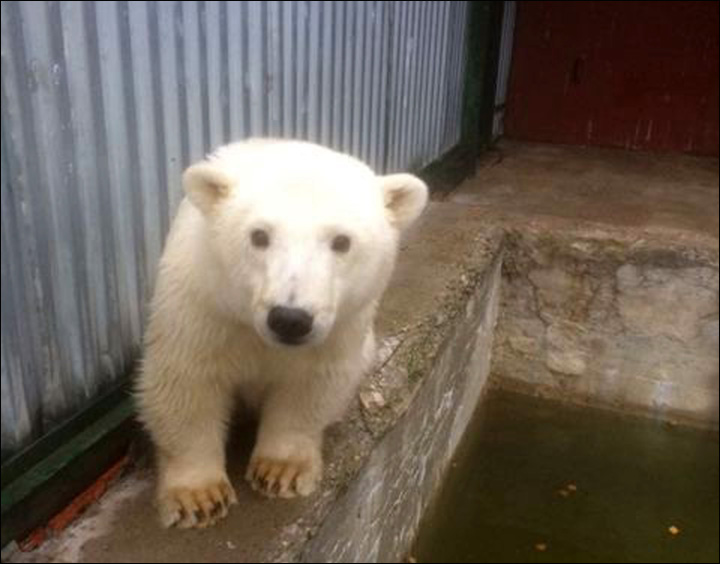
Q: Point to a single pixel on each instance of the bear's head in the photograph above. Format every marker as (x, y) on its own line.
(303, 238)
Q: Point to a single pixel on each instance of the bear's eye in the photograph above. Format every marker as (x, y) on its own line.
(260, 238)
(341, 244)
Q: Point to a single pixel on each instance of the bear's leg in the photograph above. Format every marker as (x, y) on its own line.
(285, 462)
(193, 488)
(287, 458)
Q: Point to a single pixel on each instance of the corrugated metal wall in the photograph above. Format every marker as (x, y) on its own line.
(104, 104)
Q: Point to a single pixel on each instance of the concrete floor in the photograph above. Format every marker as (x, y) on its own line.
(662, 194)
(666, 196)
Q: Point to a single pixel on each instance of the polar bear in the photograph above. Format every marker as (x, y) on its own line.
(267, 290)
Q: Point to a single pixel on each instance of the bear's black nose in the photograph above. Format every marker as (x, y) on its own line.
(290, 324)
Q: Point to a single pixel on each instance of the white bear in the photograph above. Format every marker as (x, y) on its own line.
(267, 289)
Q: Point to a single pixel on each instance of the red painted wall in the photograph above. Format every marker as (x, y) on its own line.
(640, 75)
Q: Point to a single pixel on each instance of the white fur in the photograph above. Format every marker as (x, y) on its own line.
(208, 338)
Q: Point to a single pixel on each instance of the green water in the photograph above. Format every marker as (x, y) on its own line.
(503, 501)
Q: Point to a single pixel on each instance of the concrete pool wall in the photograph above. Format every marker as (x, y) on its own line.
(606, 318)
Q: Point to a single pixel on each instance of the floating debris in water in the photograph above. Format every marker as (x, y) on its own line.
(567, 490)
(541, 547)
(673, 530)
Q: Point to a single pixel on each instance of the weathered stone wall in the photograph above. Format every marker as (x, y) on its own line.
(601, 318)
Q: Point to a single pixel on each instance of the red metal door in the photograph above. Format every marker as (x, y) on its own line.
(640, 75)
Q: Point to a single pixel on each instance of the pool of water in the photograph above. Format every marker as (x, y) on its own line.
(538, 481)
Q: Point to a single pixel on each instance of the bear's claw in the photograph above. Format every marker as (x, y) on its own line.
(282, 478)
(200, 507)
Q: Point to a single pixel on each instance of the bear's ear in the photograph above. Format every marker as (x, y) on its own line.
(405, 198)
(205, 184)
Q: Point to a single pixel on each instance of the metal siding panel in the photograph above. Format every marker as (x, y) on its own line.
(192, 84)
(326, 66)
(224, 70)
(363, 83)
(148, 163)
(357, 78)
(21, 399)
(427, 46)
(213, 75)
(312, 109)
(78, 74)
(288, 70)
(390, 92)
(347, 70)
(402, 97)
(273, 69)
(45, 68)
(113, 359)
(301, 78)
(235, 70)
(338, 52)
(414, 82)
(171, 101)
(377, 76)
(21, 212)
(121, 220)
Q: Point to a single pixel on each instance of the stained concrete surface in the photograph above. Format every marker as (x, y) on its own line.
(667, 195)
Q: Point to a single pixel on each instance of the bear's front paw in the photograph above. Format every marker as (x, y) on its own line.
(198, 506)
(286, 478)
